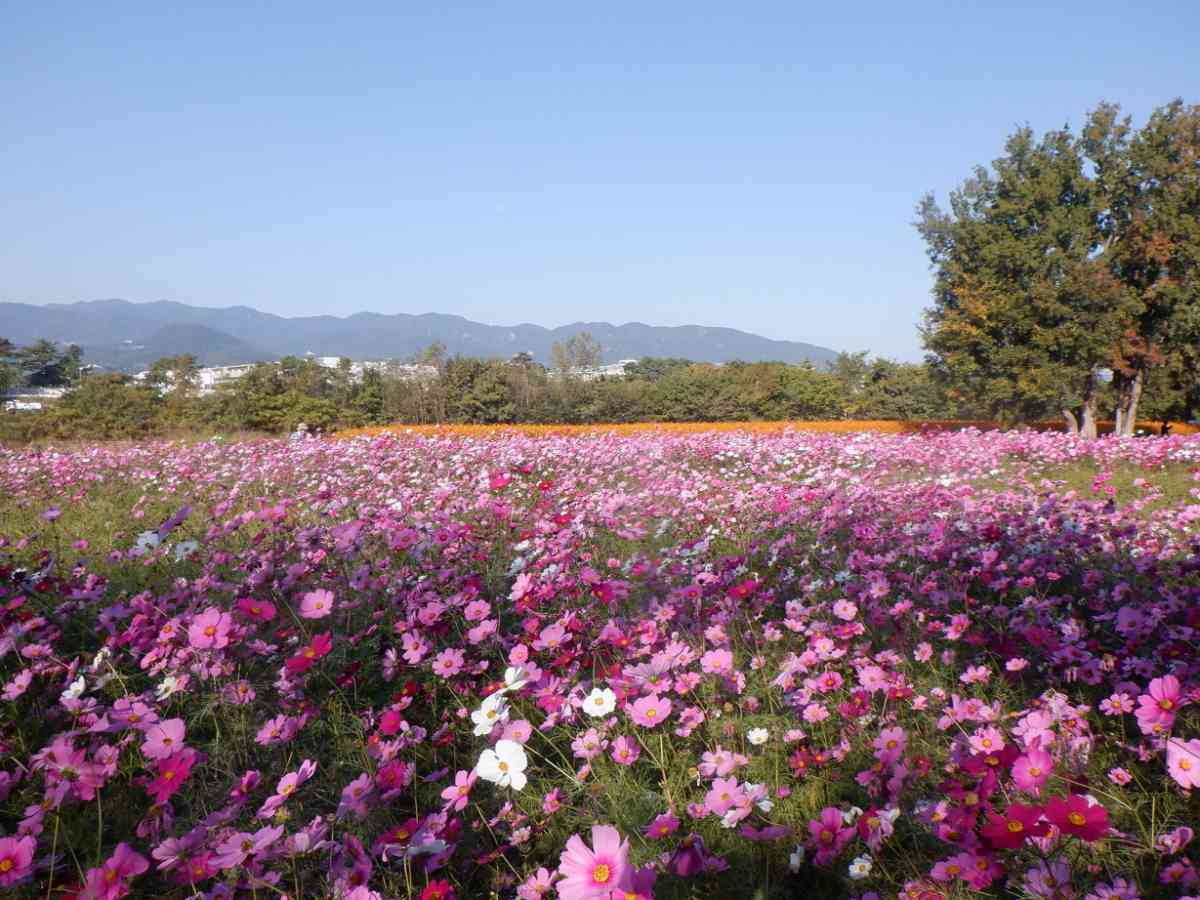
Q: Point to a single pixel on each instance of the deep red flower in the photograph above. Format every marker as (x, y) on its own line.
(1008, 831)
(438, 890)
(1078, 816)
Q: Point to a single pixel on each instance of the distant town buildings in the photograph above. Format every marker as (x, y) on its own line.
(29, 399)
(210, 378)
(608, 370)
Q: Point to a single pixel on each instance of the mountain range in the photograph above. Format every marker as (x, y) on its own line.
(129, 336)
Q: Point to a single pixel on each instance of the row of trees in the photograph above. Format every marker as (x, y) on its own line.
(41, 364)
(275, 397)
(1067, 277)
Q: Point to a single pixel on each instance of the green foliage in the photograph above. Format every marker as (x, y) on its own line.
(1071, 256)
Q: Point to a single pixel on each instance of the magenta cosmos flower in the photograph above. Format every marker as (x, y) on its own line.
(1078, 816)
(649, 711)
(16, 859)
(1032, 770)
(593, 874)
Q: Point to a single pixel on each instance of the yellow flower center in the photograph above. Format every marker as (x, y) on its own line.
(6, 865)
(1165, 703)
(169, 774)
(210, 631)
(503, 766)
(1185, 764)
(601, 874)
(1076, 818)
(651, 713)
(1015, 826)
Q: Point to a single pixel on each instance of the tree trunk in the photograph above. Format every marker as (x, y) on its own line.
(1087, 417)
(1127, 406)
(1087, 427)
(1072, 423)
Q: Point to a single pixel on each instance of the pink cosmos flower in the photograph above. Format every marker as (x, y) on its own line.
(355, 796)
(537, 885)
(237, 848)
(448, 663)
(890, 744)
(459, 793)
(16, 859)
(830, 834)
(593, 874)
(724, 794)
(625, 750)
(110, 881)
(316, 604)
(173, 771)
(210, 630)
(717, 662)
(164, 738)
(1157, 707)
(1031, 770)
(1117, 889)
(1183, 762)
(259, 610)
(650, 710)
(987, 740)
(662, 826)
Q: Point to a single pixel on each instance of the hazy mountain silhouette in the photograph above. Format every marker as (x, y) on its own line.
(130, 335)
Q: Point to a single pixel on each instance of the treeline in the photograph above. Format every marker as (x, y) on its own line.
(276, 397)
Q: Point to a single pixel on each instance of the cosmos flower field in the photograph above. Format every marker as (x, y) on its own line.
(672, 665)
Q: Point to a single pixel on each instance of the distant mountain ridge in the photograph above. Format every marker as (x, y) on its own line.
(129, 336)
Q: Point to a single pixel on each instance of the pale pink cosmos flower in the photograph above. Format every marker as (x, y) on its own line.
(650, 710)
(1183, 762)
(458, 794)
(448, 663)
(163, 738)
(316, 604)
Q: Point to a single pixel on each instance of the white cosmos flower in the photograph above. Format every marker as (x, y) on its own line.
(494, 709)
(75, 690)
(600, 702)
(861, 867)
(504, 765)
(796, 859)
(168, 686)
(758, 736)
(515, 678)
(147, 540)
(184, 549)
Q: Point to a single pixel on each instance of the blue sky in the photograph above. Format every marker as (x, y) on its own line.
(750, 165)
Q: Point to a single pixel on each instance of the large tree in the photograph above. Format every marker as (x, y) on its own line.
(1072, 258)
(1152, 179)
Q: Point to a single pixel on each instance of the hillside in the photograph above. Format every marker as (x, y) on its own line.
(128, 335)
